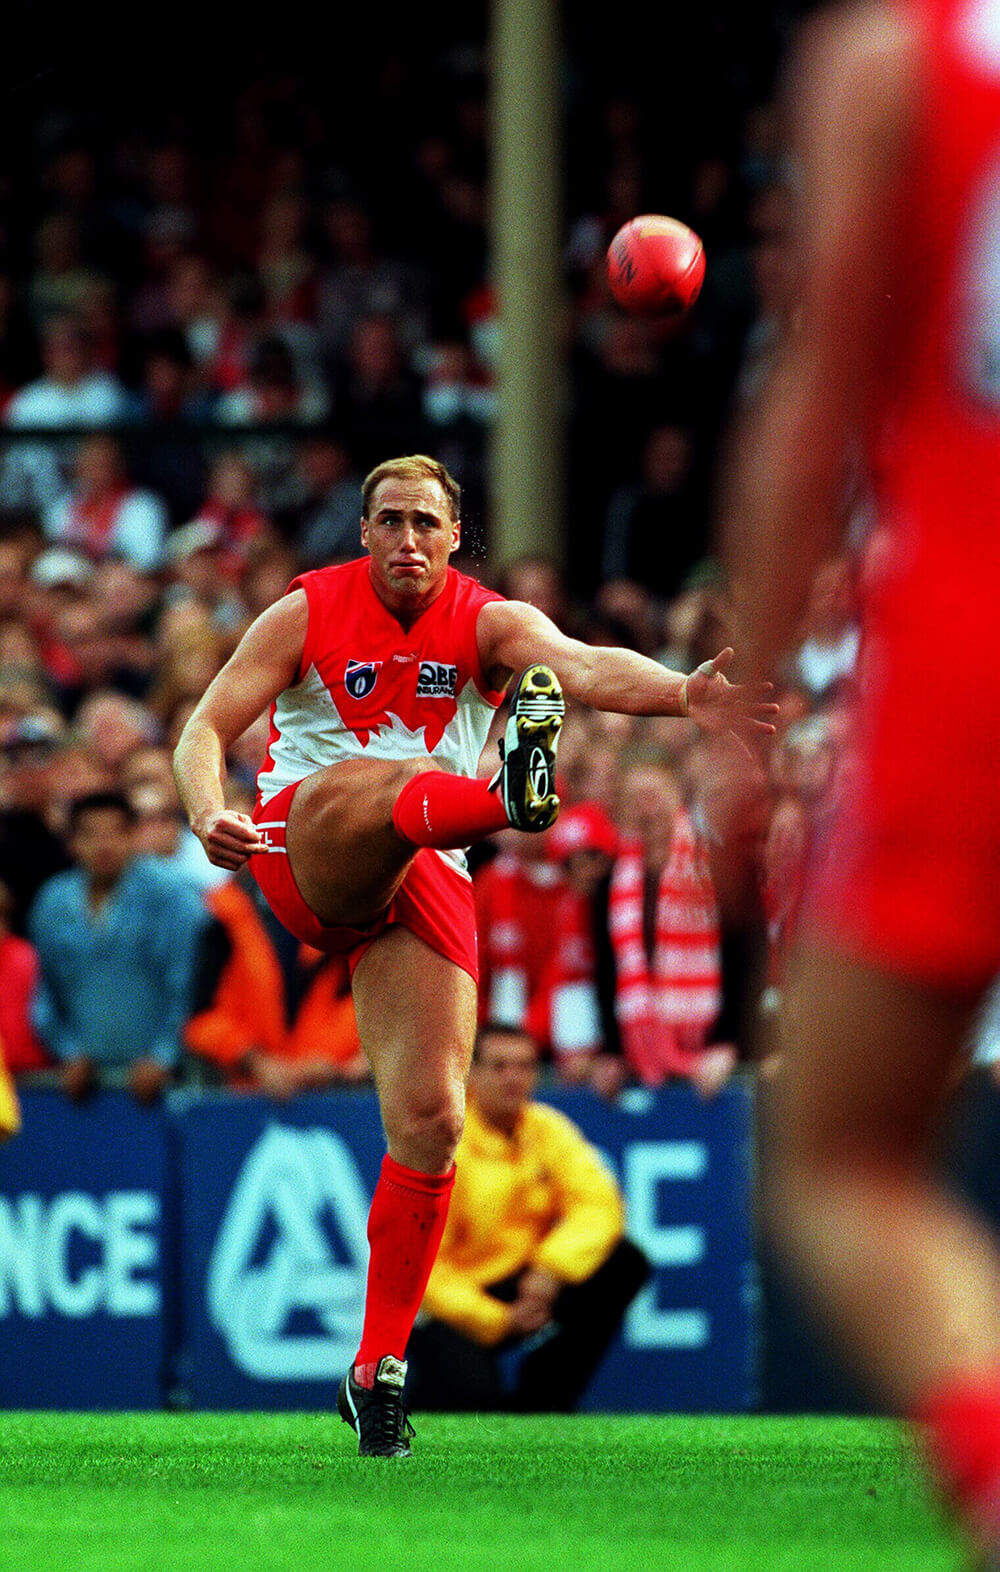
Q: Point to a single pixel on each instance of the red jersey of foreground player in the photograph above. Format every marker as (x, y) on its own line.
(896, 341)
(915, 880)
(909, 344)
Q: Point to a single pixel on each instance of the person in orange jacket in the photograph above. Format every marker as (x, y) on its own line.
(243, 1028)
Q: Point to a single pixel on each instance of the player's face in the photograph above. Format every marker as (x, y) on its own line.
(410, 534)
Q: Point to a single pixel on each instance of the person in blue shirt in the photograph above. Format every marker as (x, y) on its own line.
(116, 937)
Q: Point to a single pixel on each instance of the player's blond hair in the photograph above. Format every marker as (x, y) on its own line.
(414, 466)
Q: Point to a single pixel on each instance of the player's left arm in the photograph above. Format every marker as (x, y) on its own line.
(511, 635)
(785, 508)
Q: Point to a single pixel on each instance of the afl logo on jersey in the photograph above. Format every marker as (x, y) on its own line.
(436, 681)
(360, 677)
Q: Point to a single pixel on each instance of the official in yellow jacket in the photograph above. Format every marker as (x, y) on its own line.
(10, 1111)
(534, 1253)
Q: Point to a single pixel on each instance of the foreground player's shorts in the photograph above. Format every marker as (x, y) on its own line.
(435, 900)
(907, 876)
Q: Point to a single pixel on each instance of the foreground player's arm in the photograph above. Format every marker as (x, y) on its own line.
(785, 510)
(265, 662)
(512, 635)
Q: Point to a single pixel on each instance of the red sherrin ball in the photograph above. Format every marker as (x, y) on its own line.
(656, 265)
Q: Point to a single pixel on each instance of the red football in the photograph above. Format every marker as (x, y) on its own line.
(656, 265)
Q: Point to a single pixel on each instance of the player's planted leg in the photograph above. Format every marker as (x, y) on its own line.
(418, 1036)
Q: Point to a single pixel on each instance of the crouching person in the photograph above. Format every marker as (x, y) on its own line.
(533, 1257)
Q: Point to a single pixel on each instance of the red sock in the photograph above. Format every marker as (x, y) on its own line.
(435, 809)
(405, 1226)
(961, 1423)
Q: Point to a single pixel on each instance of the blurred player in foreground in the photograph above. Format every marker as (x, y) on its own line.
(383, 676)
(894, 358)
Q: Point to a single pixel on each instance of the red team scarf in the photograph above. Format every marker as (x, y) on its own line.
(665, 1007)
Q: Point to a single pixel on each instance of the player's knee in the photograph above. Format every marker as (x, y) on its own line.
(427, 1135)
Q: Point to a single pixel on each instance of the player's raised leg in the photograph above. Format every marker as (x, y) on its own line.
(416, 1016)
(907, 1280)
(353, 827)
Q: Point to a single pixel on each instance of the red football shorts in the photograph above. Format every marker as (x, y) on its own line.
(435, 900)
(907, 876)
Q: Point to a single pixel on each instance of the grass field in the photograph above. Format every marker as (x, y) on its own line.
(171, 1492)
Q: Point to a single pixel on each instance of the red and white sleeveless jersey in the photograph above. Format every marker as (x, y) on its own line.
(369, 688)
(935, 444)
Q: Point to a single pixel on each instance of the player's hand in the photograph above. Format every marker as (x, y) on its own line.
(718, 705)
(229, 838)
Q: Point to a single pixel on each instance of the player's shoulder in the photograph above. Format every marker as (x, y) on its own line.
(857, 68)
(465, 589)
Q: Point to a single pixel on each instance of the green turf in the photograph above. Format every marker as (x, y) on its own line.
(170, 1492)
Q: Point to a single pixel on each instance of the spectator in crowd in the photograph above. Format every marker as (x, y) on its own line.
(359, 282)
(31, 851)
(232, 503)
(104, 513)
(664, 926)
(201, 570)
(61, 278)
(633, 985)
(516, 903)
(534, 1255)
(71, 393)
(10, 1112)
(161, 831)
(655, 531)
(377, 398)
(21, 1049)
(326, 523)
(831, 636)
(574, 1006)
(258, 1029)
(274, 393)
(116, 938)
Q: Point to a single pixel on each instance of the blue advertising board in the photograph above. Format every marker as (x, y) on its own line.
(214, 1251)
(275, 1204)
(85, 1233)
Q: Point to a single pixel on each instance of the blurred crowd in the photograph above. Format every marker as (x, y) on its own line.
(627, 940)
(211, 325)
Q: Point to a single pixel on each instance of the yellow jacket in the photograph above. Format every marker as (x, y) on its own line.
(542, 1197)
(10, 1112)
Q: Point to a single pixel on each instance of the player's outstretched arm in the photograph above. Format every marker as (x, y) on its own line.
(264, 663)
(512, 634)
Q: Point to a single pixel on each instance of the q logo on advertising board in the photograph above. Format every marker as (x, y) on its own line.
(284, 1299)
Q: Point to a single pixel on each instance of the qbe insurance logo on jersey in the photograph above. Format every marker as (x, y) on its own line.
(435, 680)
(285, 1283)
(360, 677)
